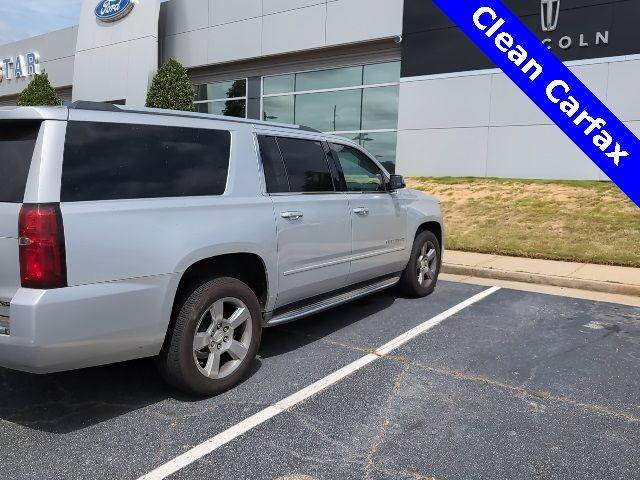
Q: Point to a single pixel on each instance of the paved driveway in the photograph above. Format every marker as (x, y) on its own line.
(517, 385)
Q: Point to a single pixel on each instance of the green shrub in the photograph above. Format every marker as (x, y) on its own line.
(39, 92)
(171, 88)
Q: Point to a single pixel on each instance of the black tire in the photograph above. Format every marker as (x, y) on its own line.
(178, 361)
(409, 283)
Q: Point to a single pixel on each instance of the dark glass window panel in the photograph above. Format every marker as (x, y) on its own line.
(273, 166)
(382, 73)
(278, 109)
(333, 78)
(109, 161)
(330, 111)
(230, 108)
(380, 108)
(306, 164)
(382, 146)
(279, 84)
(360, 173)
(17, 143)
(221, 90)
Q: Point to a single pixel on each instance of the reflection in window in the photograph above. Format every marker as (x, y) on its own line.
(279, 84)
(330, 111)
(306, 164)
(324, 79)
(278, 109)
(380, 108)
(228, 98)
(380, 73)
(382, 145)
(360, 173)
(361, 102)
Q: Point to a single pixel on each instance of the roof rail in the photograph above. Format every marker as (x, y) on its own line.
(109, 107)
(94, 106)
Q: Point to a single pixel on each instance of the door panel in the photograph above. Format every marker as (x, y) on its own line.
(379, 218)
(313, 249)
(379, 233)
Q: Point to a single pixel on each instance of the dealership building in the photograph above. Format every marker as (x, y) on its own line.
(394, 75)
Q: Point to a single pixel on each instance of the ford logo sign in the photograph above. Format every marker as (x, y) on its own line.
(113, 10)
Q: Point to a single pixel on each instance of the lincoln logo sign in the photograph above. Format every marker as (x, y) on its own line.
(550, 14)
(113, 10)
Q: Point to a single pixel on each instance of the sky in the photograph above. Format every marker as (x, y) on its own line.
(21, 19)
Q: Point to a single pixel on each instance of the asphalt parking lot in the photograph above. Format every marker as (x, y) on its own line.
(517, 385)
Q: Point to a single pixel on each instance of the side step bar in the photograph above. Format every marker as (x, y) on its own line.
(325, 304)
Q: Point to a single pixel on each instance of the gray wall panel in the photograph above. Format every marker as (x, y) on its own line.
(522, 141)
(445, 103)
(536, 151)
(227, 11)
(304, 28)
(185, 17)
(443, 152)
(234, 41)
(623, 93)
(379, 20)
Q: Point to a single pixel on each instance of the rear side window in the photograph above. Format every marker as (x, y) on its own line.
(109, 161)
(17, 143)
(306, 164)
(274, 172)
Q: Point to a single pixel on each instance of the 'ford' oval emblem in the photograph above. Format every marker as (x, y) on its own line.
(113, 10)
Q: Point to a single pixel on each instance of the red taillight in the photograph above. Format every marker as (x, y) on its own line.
(42, 254)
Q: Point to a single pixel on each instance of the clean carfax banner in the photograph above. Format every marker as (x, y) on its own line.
(551, 86)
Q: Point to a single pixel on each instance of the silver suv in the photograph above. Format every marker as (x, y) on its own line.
(142, 233)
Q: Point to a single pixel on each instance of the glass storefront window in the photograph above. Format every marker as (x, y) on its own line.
(279, 109)
(379, 73)
(230, 108)
(380, 108)
(325, 79)
(228, 98)
(354, 106)
(329, 111)
(279, 84)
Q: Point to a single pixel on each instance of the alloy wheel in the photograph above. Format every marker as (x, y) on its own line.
(222, 338)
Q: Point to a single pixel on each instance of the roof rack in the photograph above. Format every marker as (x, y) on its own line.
(110, 107)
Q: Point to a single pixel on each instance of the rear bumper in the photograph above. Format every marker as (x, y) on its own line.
(85, 326)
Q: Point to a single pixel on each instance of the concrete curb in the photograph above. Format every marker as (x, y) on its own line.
(552, 280)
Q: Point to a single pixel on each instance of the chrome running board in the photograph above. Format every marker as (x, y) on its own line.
(325, 304)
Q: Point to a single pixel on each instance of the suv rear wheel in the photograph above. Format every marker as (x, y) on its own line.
(214, 339)
(421, 275)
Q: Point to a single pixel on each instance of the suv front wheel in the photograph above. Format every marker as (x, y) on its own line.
(421, 275)
(215, 337)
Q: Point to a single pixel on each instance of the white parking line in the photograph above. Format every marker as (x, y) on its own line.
(259, 418)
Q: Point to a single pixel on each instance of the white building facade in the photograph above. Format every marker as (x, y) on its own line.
(394, 75)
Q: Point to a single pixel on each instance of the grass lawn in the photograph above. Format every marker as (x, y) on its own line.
(578, 221)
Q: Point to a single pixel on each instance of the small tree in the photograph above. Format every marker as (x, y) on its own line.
(39, 92)
(171, 88)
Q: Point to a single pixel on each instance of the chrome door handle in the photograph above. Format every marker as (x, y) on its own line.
(363, 212)
(292, 215)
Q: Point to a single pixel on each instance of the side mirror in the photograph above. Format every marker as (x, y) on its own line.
(396, 182)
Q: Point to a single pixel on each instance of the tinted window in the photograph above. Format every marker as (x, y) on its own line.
(306, 165)
(17, 142)
(274, 173)
(360, 173)
(108, 161)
